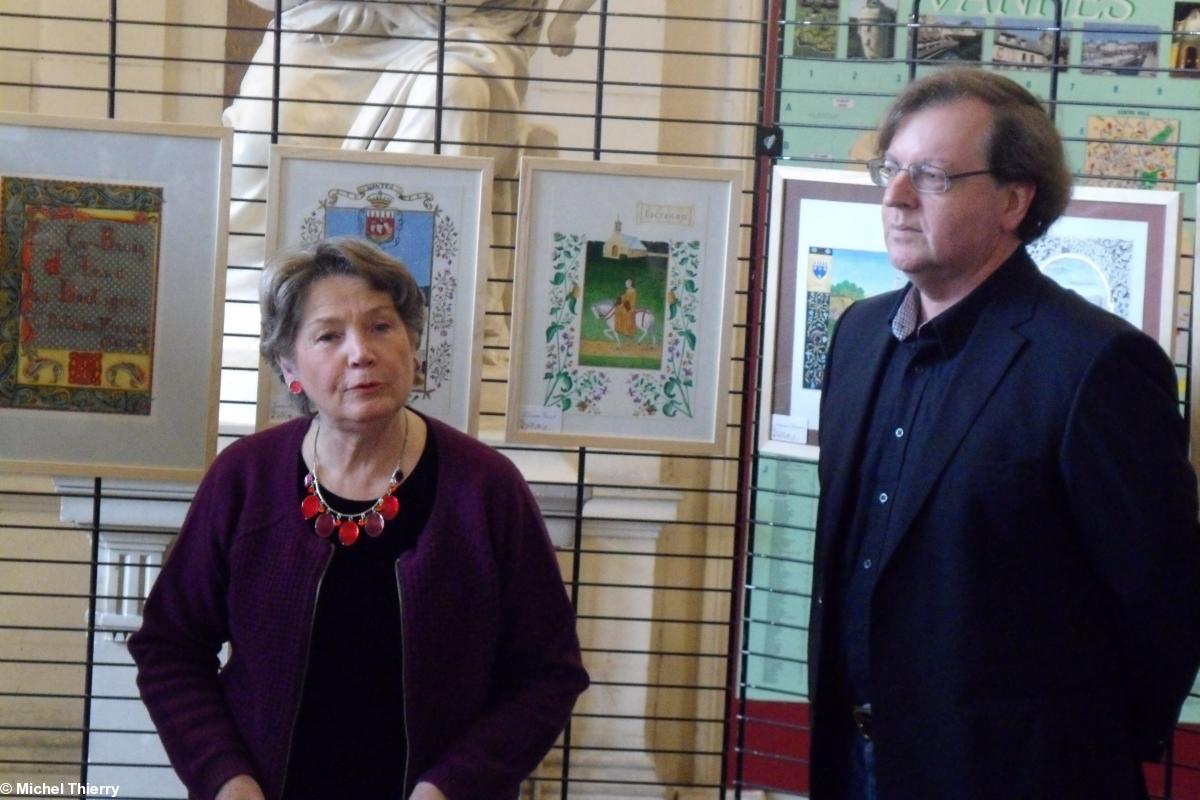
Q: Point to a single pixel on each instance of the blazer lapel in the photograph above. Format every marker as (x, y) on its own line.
(844, 421)
(982, 364)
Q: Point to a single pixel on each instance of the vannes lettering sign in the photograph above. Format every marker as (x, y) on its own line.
(1096, 10)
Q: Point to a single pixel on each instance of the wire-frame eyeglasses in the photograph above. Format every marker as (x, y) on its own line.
(925, 177)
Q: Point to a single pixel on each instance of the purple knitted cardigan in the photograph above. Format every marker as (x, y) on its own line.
(491, 660)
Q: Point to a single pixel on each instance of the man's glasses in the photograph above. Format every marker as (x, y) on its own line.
(925, 177)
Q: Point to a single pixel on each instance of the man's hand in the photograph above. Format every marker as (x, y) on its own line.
(426, 791)
(269, 5)
(240, 787)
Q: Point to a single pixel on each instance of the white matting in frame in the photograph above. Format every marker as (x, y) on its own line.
(1119, 249)
(826, 251)
(622, 305)
(112, 283)
(433, 213)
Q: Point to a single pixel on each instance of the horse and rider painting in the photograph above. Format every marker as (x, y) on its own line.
(624, 302)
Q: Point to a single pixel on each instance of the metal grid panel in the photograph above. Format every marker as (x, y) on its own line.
(664, 81)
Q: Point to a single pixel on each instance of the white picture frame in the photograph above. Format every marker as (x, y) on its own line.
(112, 349)
(631, 351)
(445, 202)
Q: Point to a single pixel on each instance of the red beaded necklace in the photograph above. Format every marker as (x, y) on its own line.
(349, 526)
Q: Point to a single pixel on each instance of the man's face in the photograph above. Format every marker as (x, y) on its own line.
(934, 238)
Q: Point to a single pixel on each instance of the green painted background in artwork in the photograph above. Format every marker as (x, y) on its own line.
(604, 279)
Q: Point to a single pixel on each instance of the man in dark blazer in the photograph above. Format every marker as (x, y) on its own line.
(1006, 592)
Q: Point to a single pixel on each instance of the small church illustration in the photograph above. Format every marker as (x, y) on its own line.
(619, 245)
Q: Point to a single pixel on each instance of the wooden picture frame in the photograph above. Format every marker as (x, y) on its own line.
(112, 284)
(623, 305)
(826, 249)
(1119, 248)
(431, 212)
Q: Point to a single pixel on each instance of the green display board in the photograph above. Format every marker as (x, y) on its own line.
(781, 568)
(1127, 100)
(1127, 103)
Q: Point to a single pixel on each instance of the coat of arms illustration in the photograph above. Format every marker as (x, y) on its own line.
(413, 228)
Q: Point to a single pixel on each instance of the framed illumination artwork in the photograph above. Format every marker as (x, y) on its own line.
(1116, 247)
(1119, 248)
(433, 213)
(826, 251)
(112, 246)
(622, 305)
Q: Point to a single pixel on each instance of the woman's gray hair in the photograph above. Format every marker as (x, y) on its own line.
(290, 274)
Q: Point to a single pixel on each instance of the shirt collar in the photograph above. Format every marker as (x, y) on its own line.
(951, 328)
(904, 323)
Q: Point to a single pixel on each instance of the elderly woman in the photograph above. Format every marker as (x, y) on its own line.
(397, 619)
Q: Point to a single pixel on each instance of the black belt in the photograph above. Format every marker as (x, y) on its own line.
(862, 720)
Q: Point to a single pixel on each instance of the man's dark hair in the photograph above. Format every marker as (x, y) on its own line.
(1022, 145)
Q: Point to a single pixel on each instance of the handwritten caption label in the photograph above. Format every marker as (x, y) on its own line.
(542, 419)
(654, 213)
(793, 430)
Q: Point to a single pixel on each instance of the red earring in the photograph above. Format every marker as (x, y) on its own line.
(295, 388)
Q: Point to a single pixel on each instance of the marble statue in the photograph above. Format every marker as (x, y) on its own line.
(364, 76)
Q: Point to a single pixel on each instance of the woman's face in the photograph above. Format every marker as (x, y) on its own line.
(352, 353)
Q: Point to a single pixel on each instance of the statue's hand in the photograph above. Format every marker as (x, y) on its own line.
(561, 34)
(269, 5)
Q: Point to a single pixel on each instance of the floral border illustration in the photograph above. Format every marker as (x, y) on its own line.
(1114, 257)
(567, 386)
(667, 391)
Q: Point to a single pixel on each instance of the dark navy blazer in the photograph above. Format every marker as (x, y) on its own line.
(1036, 624)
